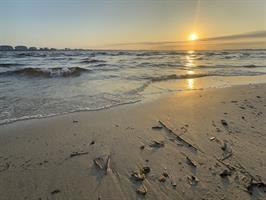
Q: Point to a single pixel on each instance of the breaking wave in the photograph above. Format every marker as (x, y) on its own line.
(253, 66)
(41, 116)
(175, 76)
(47, 72)
(89, 61)
(6, 65)
(151, 80)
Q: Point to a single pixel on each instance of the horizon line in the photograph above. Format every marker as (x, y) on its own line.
(247, 35)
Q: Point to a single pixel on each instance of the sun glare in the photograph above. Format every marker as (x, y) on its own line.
(193, 37)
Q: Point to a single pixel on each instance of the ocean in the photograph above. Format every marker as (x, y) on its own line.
(36, 84)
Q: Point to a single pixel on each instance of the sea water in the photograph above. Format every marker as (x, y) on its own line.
(36, 84)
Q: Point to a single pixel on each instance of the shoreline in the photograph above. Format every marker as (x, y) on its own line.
(220, 129)
(152, 93)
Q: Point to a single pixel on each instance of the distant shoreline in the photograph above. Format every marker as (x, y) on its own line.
(25, 48)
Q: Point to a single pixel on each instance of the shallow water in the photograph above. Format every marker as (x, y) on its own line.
(39, 84)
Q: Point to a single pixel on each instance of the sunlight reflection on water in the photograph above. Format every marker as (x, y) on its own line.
(190, 84)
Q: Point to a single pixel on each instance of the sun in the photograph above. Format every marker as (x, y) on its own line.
(193, 37)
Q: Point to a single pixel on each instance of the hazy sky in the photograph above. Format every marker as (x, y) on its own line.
(103, 23)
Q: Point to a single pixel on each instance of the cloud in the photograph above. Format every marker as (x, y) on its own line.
(261, 44)
(204, 41)
(250, 35)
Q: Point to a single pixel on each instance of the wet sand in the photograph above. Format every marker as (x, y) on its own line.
(192, 145)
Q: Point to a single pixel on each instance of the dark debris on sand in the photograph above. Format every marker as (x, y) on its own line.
(253, 184)
(74, 154)
(157, 127)
(225, 173)
(56, 191)
(157, 144)
(224, 123)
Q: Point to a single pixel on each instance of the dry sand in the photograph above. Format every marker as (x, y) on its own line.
(215, 130)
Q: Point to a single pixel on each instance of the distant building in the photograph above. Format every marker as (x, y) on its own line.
(53, 49)
(21, 48)
(33, 49)
(44, 49)
(6, 48)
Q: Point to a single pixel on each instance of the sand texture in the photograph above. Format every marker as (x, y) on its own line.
(191, 145)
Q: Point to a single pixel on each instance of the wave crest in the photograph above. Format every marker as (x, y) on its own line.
(89, 61)
(175, 76)
(48, 72)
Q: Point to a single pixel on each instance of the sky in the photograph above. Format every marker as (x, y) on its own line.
(133, 24)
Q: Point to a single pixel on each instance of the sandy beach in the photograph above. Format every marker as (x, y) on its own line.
(208, 144)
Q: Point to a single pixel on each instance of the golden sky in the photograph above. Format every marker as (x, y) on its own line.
(133, 24)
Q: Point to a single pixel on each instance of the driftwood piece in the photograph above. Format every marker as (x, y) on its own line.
(103, 162)
(142, 190)
(157, 144)
(74, 154)
(254, 181)
(227, 156)
(227, 151)
(225, 164)
(178, 137)
(108, 163)
(190, 162)
(78, 154)
(253, 184)
(192, 180)
(157, 127)
(138, 175)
